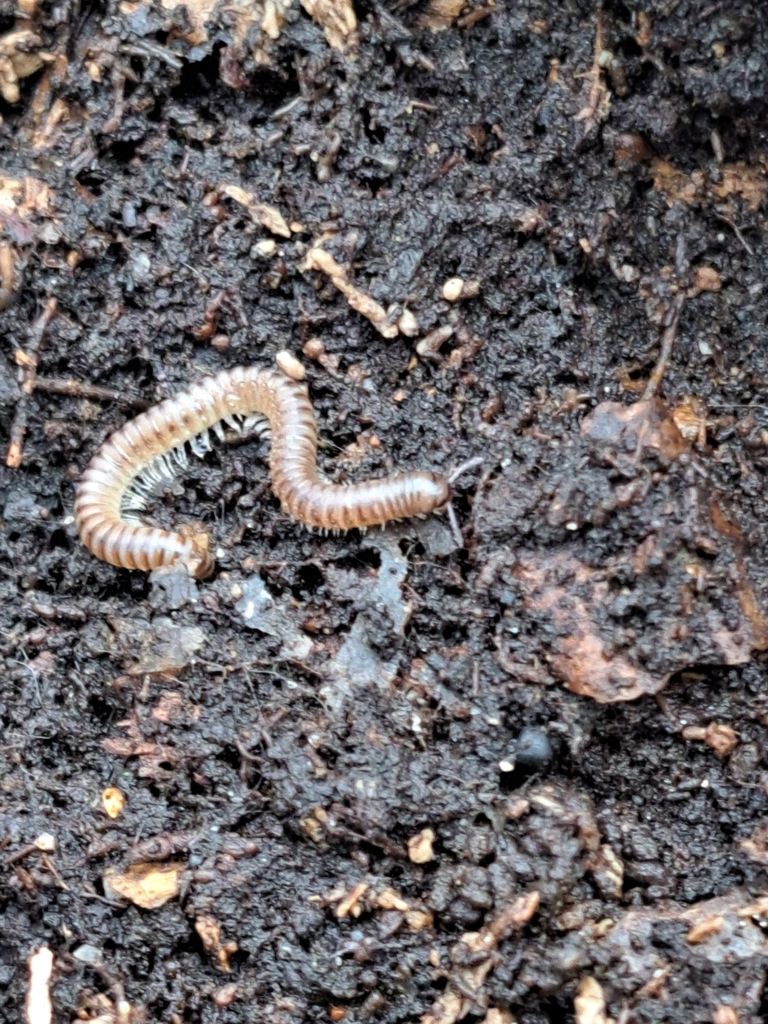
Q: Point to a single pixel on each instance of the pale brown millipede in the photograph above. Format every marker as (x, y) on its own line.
(150, 450)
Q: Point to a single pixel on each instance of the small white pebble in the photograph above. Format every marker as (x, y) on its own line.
(263, 248)
(88, 954)
(45, 842)
(456, 288)
(506, 766)
(453, 288)
(408, 324)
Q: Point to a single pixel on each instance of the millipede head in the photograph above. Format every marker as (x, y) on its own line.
(200, 560)
(432, 491)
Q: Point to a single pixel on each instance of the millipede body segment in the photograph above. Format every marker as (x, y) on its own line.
(151, 448)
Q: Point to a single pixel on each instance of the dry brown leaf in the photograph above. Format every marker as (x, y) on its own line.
(148, 885)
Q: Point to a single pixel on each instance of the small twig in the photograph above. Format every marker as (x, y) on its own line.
(118, 83)
(445, 168)
(144, 48)
(27, 360)
(81, 389)
(18, 430)
(667, 342)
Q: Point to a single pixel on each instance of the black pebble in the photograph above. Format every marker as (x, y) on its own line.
(533, 749)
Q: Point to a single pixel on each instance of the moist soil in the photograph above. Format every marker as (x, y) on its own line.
(392, 776)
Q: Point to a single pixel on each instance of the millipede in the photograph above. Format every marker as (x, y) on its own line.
(152, 449)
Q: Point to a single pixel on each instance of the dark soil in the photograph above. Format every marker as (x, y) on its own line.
(284, 729)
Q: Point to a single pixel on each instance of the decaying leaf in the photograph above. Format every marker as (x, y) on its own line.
(336, 18)
(20, 57)
(644, 424)
(677, 186)
(440, 14)
(164, 647)
(579, 655)
(740, 179)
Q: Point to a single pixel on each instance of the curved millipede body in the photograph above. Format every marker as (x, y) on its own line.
(151, 447)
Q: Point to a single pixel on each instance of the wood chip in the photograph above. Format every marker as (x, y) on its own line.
(209, 930)
(420, 849)
(589, 1004)
(704, 930)
(148, 885)
(318, 259)
(267, 216)
(39, 1008)
(350, 905)
(113, 802)
(390, 900)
